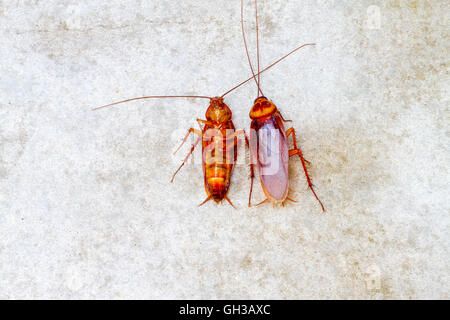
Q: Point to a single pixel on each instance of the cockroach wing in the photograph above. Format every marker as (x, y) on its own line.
(272, 158)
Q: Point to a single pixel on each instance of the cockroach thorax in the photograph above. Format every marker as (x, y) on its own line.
(218, 111)
(262, 108)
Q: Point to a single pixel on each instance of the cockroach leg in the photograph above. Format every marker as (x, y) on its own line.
(252, 177)
(206, 135)
(298, 151)
(198, 132)
(294, 140)
(204, 122)
(252, 170)
(229, 201)
(293, 152)
(187, 157)
(206, 200)
(235, 135)
(292, 200)
(283, 118)
(264, 201)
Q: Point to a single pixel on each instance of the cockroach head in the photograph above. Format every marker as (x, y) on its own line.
(262, 108)
(260, 99)
(218, 111)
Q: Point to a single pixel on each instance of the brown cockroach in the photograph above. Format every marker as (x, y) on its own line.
(219, 141)
(269, 149)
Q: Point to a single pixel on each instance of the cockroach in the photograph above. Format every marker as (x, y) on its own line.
(269, 149)
(219, 141)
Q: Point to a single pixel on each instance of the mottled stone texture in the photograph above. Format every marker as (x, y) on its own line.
(86, 207)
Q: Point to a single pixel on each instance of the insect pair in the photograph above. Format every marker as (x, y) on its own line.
(268, 143)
